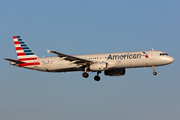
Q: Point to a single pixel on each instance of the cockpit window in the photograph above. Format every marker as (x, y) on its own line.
(163, 54)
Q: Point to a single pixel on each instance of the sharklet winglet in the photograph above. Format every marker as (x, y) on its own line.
(48, 51)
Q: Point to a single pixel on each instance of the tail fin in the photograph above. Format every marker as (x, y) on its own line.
(24, 53)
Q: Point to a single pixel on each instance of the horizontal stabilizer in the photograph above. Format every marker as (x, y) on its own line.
(15, 61)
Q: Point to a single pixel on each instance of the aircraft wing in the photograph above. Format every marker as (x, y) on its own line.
(72, 59)
(15, 61)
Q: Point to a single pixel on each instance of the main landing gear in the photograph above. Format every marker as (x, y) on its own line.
(96, 78)
(154, 68)
(85, 75)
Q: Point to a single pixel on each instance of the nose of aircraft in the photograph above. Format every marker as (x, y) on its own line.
(167, 60)
(170, 59)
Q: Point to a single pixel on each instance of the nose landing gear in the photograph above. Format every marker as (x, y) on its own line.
(154, 68)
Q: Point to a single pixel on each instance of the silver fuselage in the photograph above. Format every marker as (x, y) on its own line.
(117, 60)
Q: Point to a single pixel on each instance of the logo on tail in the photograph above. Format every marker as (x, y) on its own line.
(24, 53)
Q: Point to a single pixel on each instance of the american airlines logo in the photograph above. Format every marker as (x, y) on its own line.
(145, 54)
(126, 56)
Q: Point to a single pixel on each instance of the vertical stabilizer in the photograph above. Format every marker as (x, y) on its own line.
(24, 53)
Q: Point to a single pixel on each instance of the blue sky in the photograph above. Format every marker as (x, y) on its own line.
(83, 27)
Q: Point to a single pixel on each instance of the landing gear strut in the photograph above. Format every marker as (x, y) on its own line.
(85, 74)
(154, 68)
(97, 78)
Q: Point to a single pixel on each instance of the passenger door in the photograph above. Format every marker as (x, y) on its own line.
(152, 55)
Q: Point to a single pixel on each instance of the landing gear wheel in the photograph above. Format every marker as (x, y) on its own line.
(85, 75)
(97, 78)
(154, 68)
(154, 73)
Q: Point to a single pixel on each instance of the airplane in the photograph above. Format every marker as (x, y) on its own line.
(113, 64)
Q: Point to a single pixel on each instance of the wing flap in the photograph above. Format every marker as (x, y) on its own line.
(72, 59)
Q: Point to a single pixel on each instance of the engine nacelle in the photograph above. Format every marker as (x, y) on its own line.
(115, 72)
(99, 66)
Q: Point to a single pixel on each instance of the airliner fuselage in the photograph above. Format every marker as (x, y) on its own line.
(114, 60)
(113, 64)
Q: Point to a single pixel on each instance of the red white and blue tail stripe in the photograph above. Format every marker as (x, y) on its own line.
(24, 53)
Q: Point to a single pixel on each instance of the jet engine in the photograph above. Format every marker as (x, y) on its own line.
(115, 72)
(99, 66)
